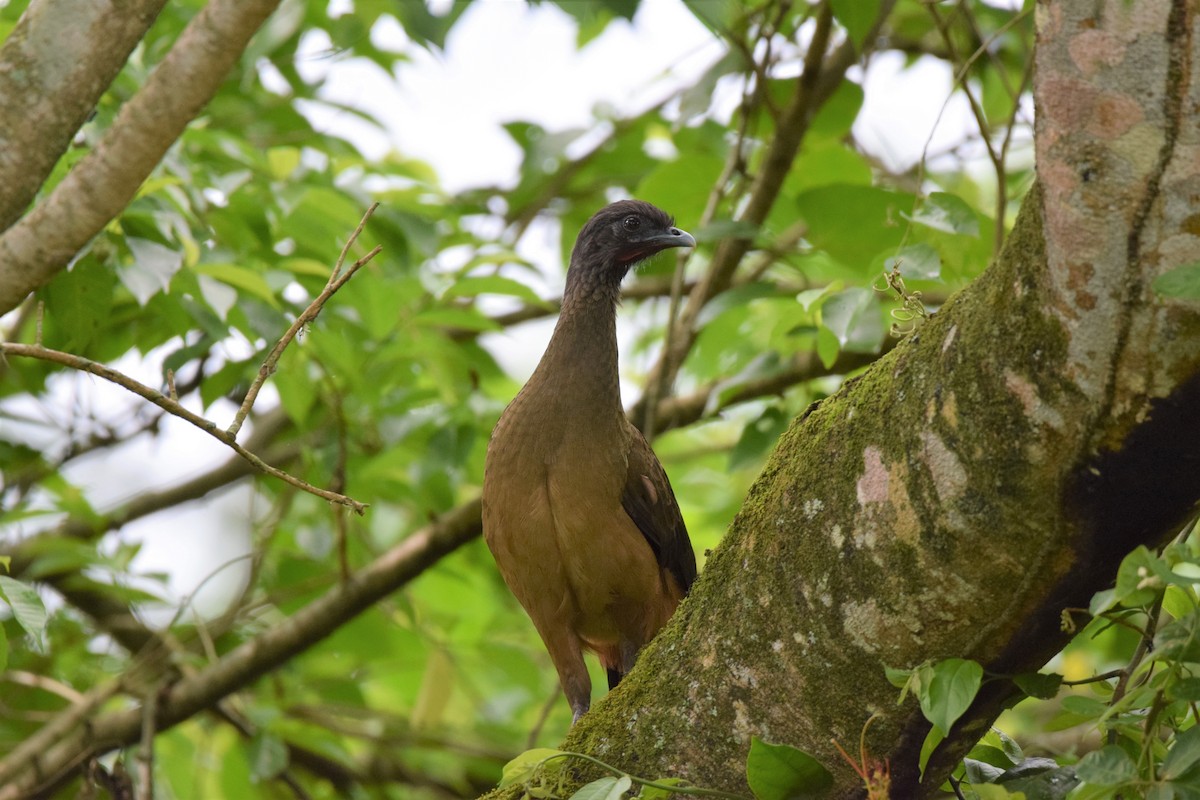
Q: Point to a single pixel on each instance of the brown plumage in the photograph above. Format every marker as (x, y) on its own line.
(577, 510)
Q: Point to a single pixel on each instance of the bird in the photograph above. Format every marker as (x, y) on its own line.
(577, 510)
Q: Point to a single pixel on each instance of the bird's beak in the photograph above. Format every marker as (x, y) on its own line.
(655, 243)
(673, 237)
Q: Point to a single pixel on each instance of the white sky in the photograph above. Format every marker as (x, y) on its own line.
(447, 107)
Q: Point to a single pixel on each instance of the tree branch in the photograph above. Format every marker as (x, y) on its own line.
(44, 101)
(816, 85)
(254, 658)
(677, 412)
(101, 185)
(175, 408)
(336, 281)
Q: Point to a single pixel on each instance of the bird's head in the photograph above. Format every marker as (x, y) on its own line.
(622, 234)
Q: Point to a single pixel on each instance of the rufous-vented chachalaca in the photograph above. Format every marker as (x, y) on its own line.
(577, 510)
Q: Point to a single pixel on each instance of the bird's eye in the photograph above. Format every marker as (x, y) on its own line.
(631, 223)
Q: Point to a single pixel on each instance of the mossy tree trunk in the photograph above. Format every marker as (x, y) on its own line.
(988, 473)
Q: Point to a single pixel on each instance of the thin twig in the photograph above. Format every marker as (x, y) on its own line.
(821, 73)
(1103, 676)
(338, 481)
(1139, 653)
(997, 158)
(173, 407)
(29, 751)
(145, 756)
(335, 282)
(659, 385)
(544, 714)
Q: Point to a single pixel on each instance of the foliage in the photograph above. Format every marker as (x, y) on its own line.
(1144, 710)
(774, 772)
(389, 396)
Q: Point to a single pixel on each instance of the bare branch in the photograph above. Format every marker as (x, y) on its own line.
(642, 289)
(173, 407)
(335, 282)
(677, 412)
(822, 75)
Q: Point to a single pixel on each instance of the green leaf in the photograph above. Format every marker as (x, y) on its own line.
(1140, 578)
(827, 162)
(932, 740)
(282, 161)
(758, 437)
(297, 388)
(245, 279)
(3, 649)
(493, 284)
(811, 299)
(735, 299)
(992, 791)
(947, 213)
(837, 114)
(1039, 779)
(916, 262)
(856, 16)
(525, 766)
(268, 756)
(681, 185)
(662, 793)
(1179, 640)
(1085, 706)
(151, 270)
(947, 689)
(854, 224)
(853, 316)
(1108, 766)
(1009, 746)
(306, 266)
(78, 304)
(26, 606)
(607, 788)
(1182, 282)
(1185, 689)
(898, 677)
(1179, 601)
(1183, 754)
(990, 755)
(981, 771)
(220, 296)
(781, 772)
(1102, 601)
(467, 318)
(827, 346)
(1038, 684)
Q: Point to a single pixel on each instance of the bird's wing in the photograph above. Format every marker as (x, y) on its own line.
(650, 503)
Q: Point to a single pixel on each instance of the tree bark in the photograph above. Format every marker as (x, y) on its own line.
(54, 67)
(989, 472)
(103, 183)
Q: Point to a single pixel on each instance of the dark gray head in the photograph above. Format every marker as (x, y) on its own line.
(617, 237)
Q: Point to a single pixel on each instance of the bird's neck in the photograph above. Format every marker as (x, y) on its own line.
(583, 350)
